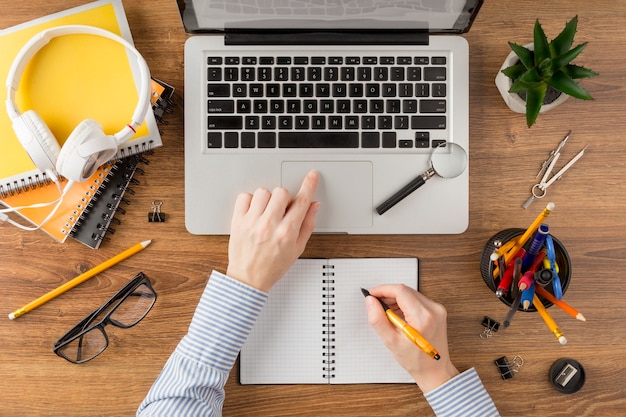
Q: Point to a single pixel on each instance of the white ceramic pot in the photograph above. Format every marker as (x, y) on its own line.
(513, 100)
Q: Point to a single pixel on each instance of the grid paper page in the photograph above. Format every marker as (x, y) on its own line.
(361, 357)
(285, 345)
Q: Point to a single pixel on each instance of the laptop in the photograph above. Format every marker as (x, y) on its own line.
(360, 90)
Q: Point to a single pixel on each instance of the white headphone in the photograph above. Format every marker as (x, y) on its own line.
(87, 147)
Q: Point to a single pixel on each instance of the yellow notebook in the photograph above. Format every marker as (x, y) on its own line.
(69, 80)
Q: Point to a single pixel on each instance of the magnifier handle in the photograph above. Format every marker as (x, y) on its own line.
(415, 183)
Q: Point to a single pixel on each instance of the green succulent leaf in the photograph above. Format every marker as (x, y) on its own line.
(563, 42)
(530, 79)
(514, 71)
(565, 84)
(545, 69)
(524, 54)
(540, 42)
(534, 101)
(576, 71)
(563, 60)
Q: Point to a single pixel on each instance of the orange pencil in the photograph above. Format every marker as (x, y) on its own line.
(559, 303)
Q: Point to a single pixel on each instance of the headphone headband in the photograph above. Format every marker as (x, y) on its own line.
(37, 42)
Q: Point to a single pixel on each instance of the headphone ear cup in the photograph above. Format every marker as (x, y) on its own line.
(85, 150)
(37, 139)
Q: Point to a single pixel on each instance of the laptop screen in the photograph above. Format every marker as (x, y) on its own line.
(432, 16)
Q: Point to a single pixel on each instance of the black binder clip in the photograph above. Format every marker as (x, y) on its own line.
(507, 368)
(156, 216)
(491, 326)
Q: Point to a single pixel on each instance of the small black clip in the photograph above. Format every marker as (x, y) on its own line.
(507, 368)
(156, 216)
(491, 326)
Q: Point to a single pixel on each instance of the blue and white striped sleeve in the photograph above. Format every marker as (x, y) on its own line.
(192, 381)
(464, 395)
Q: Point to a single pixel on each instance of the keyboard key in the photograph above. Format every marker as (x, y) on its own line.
(268, 122)
(302, 122)
(439, 60)
(401, 122)
(267, 140)
(435, 73)
(252, 122)
(221, 106)
(248, 140)
(214, 74)
(432, 106)
(428, 122)
(422, 90)
(231, 140)
(218, 90)
(225, 122)
(414, 74)
(318, 140)
(285, 122)
(214, 140)
(439, 90)
(389, 141)
(370, 140)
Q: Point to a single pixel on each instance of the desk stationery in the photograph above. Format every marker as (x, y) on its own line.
(504, 158)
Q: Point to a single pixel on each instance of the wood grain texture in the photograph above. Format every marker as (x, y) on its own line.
(504, 158)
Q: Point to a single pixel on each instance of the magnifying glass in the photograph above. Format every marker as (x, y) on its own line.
(448, 160)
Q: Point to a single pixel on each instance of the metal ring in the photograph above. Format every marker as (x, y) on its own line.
(537, 194)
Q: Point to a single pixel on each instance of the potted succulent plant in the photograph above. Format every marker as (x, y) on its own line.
(539, 76)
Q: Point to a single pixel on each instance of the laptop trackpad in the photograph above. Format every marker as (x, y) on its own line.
(344, 191)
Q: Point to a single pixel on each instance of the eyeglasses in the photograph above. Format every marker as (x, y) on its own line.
(128, 307)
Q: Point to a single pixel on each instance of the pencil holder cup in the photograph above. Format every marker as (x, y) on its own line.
(487, 266)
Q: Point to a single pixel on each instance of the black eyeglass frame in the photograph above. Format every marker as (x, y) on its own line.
(85, 326)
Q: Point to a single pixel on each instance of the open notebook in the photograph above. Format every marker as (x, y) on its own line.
(314, 329)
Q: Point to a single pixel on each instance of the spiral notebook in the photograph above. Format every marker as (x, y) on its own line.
(314, 330)
(64, 70)
(95, 222)
(75, 202)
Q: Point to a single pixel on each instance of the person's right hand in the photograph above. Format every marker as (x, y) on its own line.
(425, 316)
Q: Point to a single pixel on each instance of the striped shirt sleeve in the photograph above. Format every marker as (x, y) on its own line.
(464, 395)
(192, 381)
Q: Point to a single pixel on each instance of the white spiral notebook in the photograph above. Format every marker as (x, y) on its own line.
(314, 329)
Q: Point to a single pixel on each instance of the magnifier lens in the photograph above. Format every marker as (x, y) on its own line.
(449, 160)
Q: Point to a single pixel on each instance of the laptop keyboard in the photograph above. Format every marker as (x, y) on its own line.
(362, 101)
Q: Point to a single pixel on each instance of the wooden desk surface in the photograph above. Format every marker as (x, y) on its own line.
(504, 158)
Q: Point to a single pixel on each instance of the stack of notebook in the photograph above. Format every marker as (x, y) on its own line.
(87, 210)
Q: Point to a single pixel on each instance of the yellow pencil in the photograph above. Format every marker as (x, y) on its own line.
(528, 233)
(549, 321)
(79, 279)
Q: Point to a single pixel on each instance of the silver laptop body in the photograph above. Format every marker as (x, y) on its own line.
(367, 137)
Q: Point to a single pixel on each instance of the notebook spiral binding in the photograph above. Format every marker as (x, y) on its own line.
(328, 325)
(134, 149)
(95, 222)
(9, 189)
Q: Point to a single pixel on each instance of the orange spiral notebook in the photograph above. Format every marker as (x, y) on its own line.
(75, 202)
